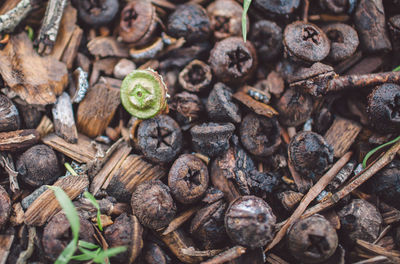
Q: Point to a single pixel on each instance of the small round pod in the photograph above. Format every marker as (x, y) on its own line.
(312, 240)
(310, 154)
(344, 41)
(5, 207)
(277, 8)
(188, 179)
(260, 135)
(266, 37)
(220, 106)
(294, 108)
(57, 234)
(97, 13)
(9, 116)
(384, 108)
(195, 77)
(250, 222)
(38, 166)
(125, 231)
(186, 107)
(153, 205)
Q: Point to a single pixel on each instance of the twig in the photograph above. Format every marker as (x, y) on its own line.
(362, 177)
(302, 183)
(309, 197)
(227, 255)
(376, 259)
(382, 234)
(181, 219)
(7, 163)
(306, 7)
(10, 20)
(26, 254)
(51, 22)
(191, 251)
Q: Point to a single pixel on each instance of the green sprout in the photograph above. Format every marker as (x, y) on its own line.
(143, 93)
(396, 69)
(90, 251)
(372, 152)
(93, 200)
(246, 5)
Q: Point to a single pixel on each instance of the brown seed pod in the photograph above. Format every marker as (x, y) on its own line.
(195, 77)
(9, 117)
(294, 108)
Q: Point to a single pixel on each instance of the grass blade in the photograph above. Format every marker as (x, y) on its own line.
(369, 154)
(246, 5)
(396, 69)
(87, 245)
(67, 253)
(93, 200)
(100, 258)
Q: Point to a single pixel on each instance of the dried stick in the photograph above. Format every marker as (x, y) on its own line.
(309, 197)
(10, 20)
(51, 22)
(181, 219)
(306, 7)
(358, 180)
(227, 255)
(26, 254)
(7, 163)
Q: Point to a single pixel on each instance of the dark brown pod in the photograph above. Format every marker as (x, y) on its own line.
(195, 77)
(138, 22)
(220, 106)
(266, 37)
(153, 254)
(125, 231)
(5, 207)
(38, 166)
(294, 108)
(188, 179)
(344, 41)
(9, 117)
(394, 28)
(233, 60)
(153, 205)
(281, 7)
(310, 154)
(312, 240)
(260, 135)
(186, 107)
(57, 234)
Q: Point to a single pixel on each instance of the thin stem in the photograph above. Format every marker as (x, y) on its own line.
(372, 152)
(70, 169)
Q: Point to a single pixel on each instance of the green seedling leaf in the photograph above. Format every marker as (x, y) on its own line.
(397, 68)
(93, 200)
(87, 245)
(372, 152)
(103, 255)
(85, 257)
(70, 169)
(246, 5)
(67, 253)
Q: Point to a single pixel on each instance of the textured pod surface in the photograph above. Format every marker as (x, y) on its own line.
(5, 207)
(344, 41)
(9, 117)
(220, 105)
(294, 107)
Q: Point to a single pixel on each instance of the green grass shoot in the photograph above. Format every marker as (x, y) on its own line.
(93, 200)
(246, 5)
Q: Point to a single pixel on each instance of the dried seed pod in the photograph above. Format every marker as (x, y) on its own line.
(384, 108)
(338, 6)
(153, 205)
(294, 108)
(186, 107)
(394, 28)
(57, 234)
(97, 13)
(125, 231)
(153, 254)
(385, 183)
(305, 42)
(260, 135)
(360, 220)
(250, 222)
(232, 60)
(195, 77)
(123, 68)
(282, 7)
(344, 41)
(5, 207)
(9, 117)
(188, 179)
(226, 18)
(310, 154)
(38, 165)
(266, 37)
(189, 21)
(290, 199)
(138, 22)
(207, 226)
(369, 19)
(262, 183)
(211, 139)
(220, 107)
(312, 240)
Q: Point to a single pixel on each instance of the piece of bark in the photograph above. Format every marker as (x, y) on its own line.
(10, 20)
(45, 127)
(46, 205)
(6, 242)
(81, 152)
(341, 135)
(18, 139)
(115, 83)
(71, 50)
(66, 30)
(110, 167)
(107, 47)
(378, 250)
(104, 65)
(37, 80)
(63, 116)
(79, 85)
(256, 106)
(83, 62)
(369, 64)
(97, 109)
(132, 172)
(31, 115)
(17, 215)
(7, 5)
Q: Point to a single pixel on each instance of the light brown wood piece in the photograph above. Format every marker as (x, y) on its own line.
(7, 5)
(83, 62)
(64, 121)
(179, 220)
(37, 80)
(82, 151)
(45, 127)
(104, 65)
(18, 139)
(17, 215)
(46, 205)
(6, 242)
(378, 250)
(227, 255)
(71, 50)
(110, 167)
(258, 107)
(97, 109)
(107, 47)
(341, 135)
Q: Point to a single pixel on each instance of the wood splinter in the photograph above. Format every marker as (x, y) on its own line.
(64, 122)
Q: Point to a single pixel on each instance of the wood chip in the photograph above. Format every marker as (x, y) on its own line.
(179, 220)
(377, 249)
(46, 205)
(45, 127)
(6, 242)
(256, 106)
(107, 47)
(64, 121)
(71, 50)
(18, 139)
(17, 215)
(341, 135)
(37, 80)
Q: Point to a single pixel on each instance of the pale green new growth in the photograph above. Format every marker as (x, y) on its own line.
(246, 5)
